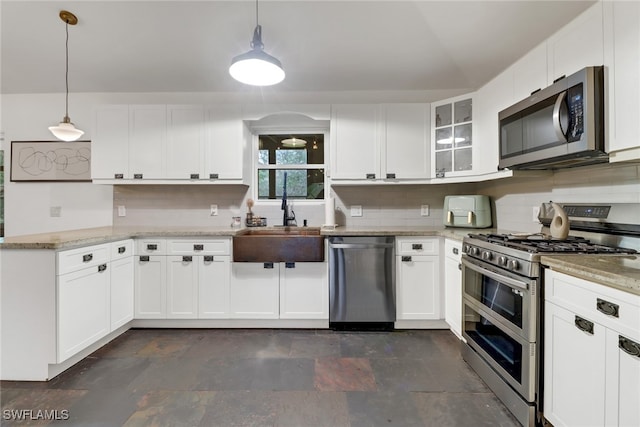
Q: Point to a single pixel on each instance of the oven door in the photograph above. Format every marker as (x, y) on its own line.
(511, 356)
(511, 300)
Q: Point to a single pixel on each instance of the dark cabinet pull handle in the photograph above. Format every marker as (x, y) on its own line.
(268, 265)
(416, 246)
(460, 267)
(194, 176)
(198, 247)
(102, 267)
(152, 247)
(371, 176)
(122, 249)
(213, 176)
(391, 176)
(630, 347)
(87, 257)
(289, 265)
(187, 258)
(406, 258)
(144, 258)
(118, 176)
(584, 325)
(608, 308)
(455, 251)
(208, 258)
(137, 176)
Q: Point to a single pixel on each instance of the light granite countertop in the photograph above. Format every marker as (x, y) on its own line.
(92, 236)
(620, 272)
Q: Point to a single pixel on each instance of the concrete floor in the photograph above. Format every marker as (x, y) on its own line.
(300, 378)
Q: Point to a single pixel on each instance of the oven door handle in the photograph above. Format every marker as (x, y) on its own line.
(499, 277)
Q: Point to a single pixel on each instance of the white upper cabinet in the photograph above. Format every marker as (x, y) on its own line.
(355, 141)
(147, 136)
(405, 143)
(226, 144)
(452, 136)
(185, 141)
(380, 142)
(529, 74)
(622, 58)
(110, 144)
(577, 45)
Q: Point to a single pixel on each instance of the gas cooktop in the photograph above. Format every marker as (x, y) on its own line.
(541, 243)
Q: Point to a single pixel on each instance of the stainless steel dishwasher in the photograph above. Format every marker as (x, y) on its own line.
(361, 282)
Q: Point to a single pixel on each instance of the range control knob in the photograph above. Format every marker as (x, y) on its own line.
(513, 264)
(475, 251)
(502, 261)
(466, 249)
(486, 255)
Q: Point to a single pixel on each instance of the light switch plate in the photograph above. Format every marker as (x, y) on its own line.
(122, 211)
(55, 211)
(214, 210)
(356, 210)
(424, 210)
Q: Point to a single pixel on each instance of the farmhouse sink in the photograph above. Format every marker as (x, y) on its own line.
(279, 244)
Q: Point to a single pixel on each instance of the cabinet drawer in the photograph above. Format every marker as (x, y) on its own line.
(77, 259)
(199, 247)
(121, 249)
(610, 307)
(453, 249)
(151, 247)
(417, 246)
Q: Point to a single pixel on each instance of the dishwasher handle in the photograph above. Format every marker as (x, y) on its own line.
(360, 245)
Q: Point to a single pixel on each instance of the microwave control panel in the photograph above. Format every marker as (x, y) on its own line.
(576, 113)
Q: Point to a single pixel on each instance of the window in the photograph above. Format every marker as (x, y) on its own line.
(300, 157)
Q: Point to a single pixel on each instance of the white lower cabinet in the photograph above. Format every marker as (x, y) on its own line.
(151, 289)
(214, 274)
(304, 291)
(453, 285)
(82, 309)
(418, 279)
(592, 354)
(254, 290)
(182, 287)
(122, 291)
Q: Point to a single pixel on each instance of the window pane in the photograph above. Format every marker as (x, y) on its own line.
(263, 184)
(296, 183)
(463, 135)
(443, 115)
(301, 183)
(463, 159)
(463, 111)
(443, 139)
(263, 157)
(291, 157)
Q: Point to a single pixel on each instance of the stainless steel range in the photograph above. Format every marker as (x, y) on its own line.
(502, 296)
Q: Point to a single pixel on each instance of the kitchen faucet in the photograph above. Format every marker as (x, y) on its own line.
(288, 215)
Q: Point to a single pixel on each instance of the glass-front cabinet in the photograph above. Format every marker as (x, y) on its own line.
(452, 136)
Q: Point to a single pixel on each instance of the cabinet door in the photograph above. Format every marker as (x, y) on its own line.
(304, 290)
(406, 147)
(150, 285)
(577, 45)
(225, 143)
(624, 85)
(355, 141)
(529, 73)
(110, 143)
(453, 287)
(182, 287)
(185, 142)
(122, 291)
(418, 287)
(147, 139)
(213, 287)
(83, 309)
(254, 291)
(623, 380)
(574, 373)
(453, 136)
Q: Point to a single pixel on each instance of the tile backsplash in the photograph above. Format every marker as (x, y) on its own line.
(513, 200)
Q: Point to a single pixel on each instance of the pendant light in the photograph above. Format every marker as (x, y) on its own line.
(256, 67)
(65, 130)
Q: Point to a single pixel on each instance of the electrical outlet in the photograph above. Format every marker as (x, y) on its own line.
(424, 210)
(122, 211)
(535, 211)
(214, 210)
(356, 210)
(55, 211)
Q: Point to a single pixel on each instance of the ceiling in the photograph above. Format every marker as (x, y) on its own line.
(187, 46)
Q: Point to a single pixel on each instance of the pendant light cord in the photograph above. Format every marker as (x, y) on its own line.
(66, 74)
(256, 13)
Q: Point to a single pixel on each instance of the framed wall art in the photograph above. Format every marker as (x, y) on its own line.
(51, 161)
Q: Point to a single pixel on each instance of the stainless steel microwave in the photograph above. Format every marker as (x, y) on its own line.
(556, 127)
